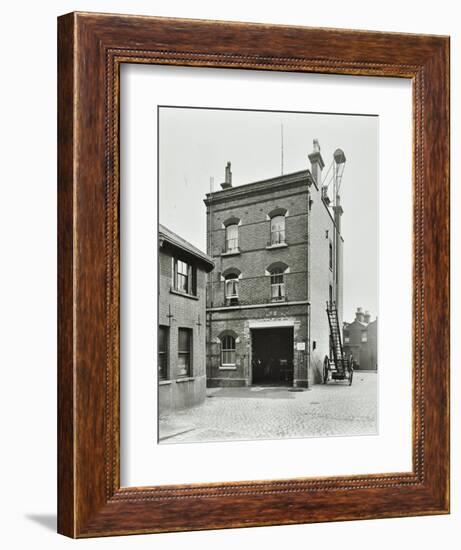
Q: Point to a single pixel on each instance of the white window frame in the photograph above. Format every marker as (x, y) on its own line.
(278, 286)
(235, 228)
(276, 230)
(228, 350)
(232, 280)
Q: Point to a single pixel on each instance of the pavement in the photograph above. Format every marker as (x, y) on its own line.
(259, 412)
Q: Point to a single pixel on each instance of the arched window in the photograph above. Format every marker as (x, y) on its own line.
(277, 272)
(278, 229)
(228, 350)
(232, 238)
(277, 284)
(231, 286)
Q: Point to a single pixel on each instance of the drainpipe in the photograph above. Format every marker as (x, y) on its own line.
(317, 165)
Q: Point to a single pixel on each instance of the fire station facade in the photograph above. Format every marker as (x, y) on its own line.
(277, 250)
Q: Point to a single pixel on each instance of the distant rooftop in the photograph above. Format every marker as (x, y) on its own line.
(175, 240)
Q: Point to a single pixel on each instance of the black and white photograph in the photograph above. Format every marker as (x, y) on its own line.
(268, 274)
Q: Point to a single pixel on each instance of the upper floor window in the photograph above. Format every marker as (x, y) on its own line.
(232, 238)
(231, 226)
(364, 337)
(278, 272)
(231, 277)
(184, 277)
(330, 254)
(346, 337)
(228, 351)
(231, 286)
(277, 284)
(278, 230)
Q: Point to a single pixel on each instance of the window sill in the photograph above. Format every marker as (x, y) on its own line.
(183, 294)
(164, 382)
(185, 379)
(227, 367)
(281, 245)
(278, 300)
(231, 253)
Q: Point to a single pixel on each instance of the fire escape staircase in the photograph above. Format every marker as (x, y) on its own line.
(335, 334)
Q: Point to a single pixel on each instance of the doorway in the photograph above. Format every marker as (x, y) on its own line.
(272, 356)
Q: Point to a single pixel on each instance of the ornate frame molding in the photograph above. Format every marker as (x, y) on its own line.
(91, 49)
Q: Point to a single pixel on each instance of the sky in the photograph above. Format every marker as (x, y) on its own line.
(196, 144)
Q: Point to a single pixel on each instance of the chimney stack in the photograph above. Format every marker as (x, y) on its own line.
(367, 317)
(339, 159)
(359, 315)
(317, 164)
(228, 177)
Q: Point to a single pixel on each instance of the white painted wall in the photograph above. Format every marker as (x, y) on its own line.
(28, 274)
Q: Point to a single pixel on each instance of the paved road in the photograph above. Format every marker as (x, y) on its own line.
(274, 413)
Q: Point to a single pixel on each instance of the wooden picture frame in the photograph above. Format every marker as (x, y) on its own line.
(92, 47)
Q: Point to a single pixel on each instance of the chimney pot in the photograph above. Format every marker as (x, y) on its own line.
(228, 177)
(359, 315)
(317, 164)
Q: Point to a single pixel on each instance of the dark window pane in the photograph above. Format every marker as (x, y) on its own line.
(163, 352)
(184, 340)
(194, 281)
(184, 351)
(162, 338)
(228, 343)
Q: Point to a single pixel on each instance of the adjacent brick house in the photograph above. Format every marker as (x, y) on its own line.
(361, 340)
(181, 322)
(277, 250)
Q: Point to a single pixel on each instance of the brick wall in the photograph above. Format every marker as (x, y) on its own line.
(177, 392)
(365, 353)
(239, 321)
(252, 262)
(321, 277)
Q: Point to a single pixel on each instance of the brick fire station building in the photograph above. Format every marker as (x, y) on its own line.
(277, 249)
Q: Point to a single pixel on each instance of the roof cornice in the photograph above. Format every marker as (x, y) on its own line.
(256, 187)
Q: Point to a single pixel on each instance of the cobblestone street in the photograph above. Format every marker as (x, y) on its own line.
(276, 412)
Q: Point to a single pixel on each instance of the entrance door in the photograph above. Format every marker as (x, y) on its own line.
(272, 356)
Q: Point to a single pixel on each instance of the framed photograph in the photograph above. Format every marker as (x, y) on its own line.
(253, 275)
